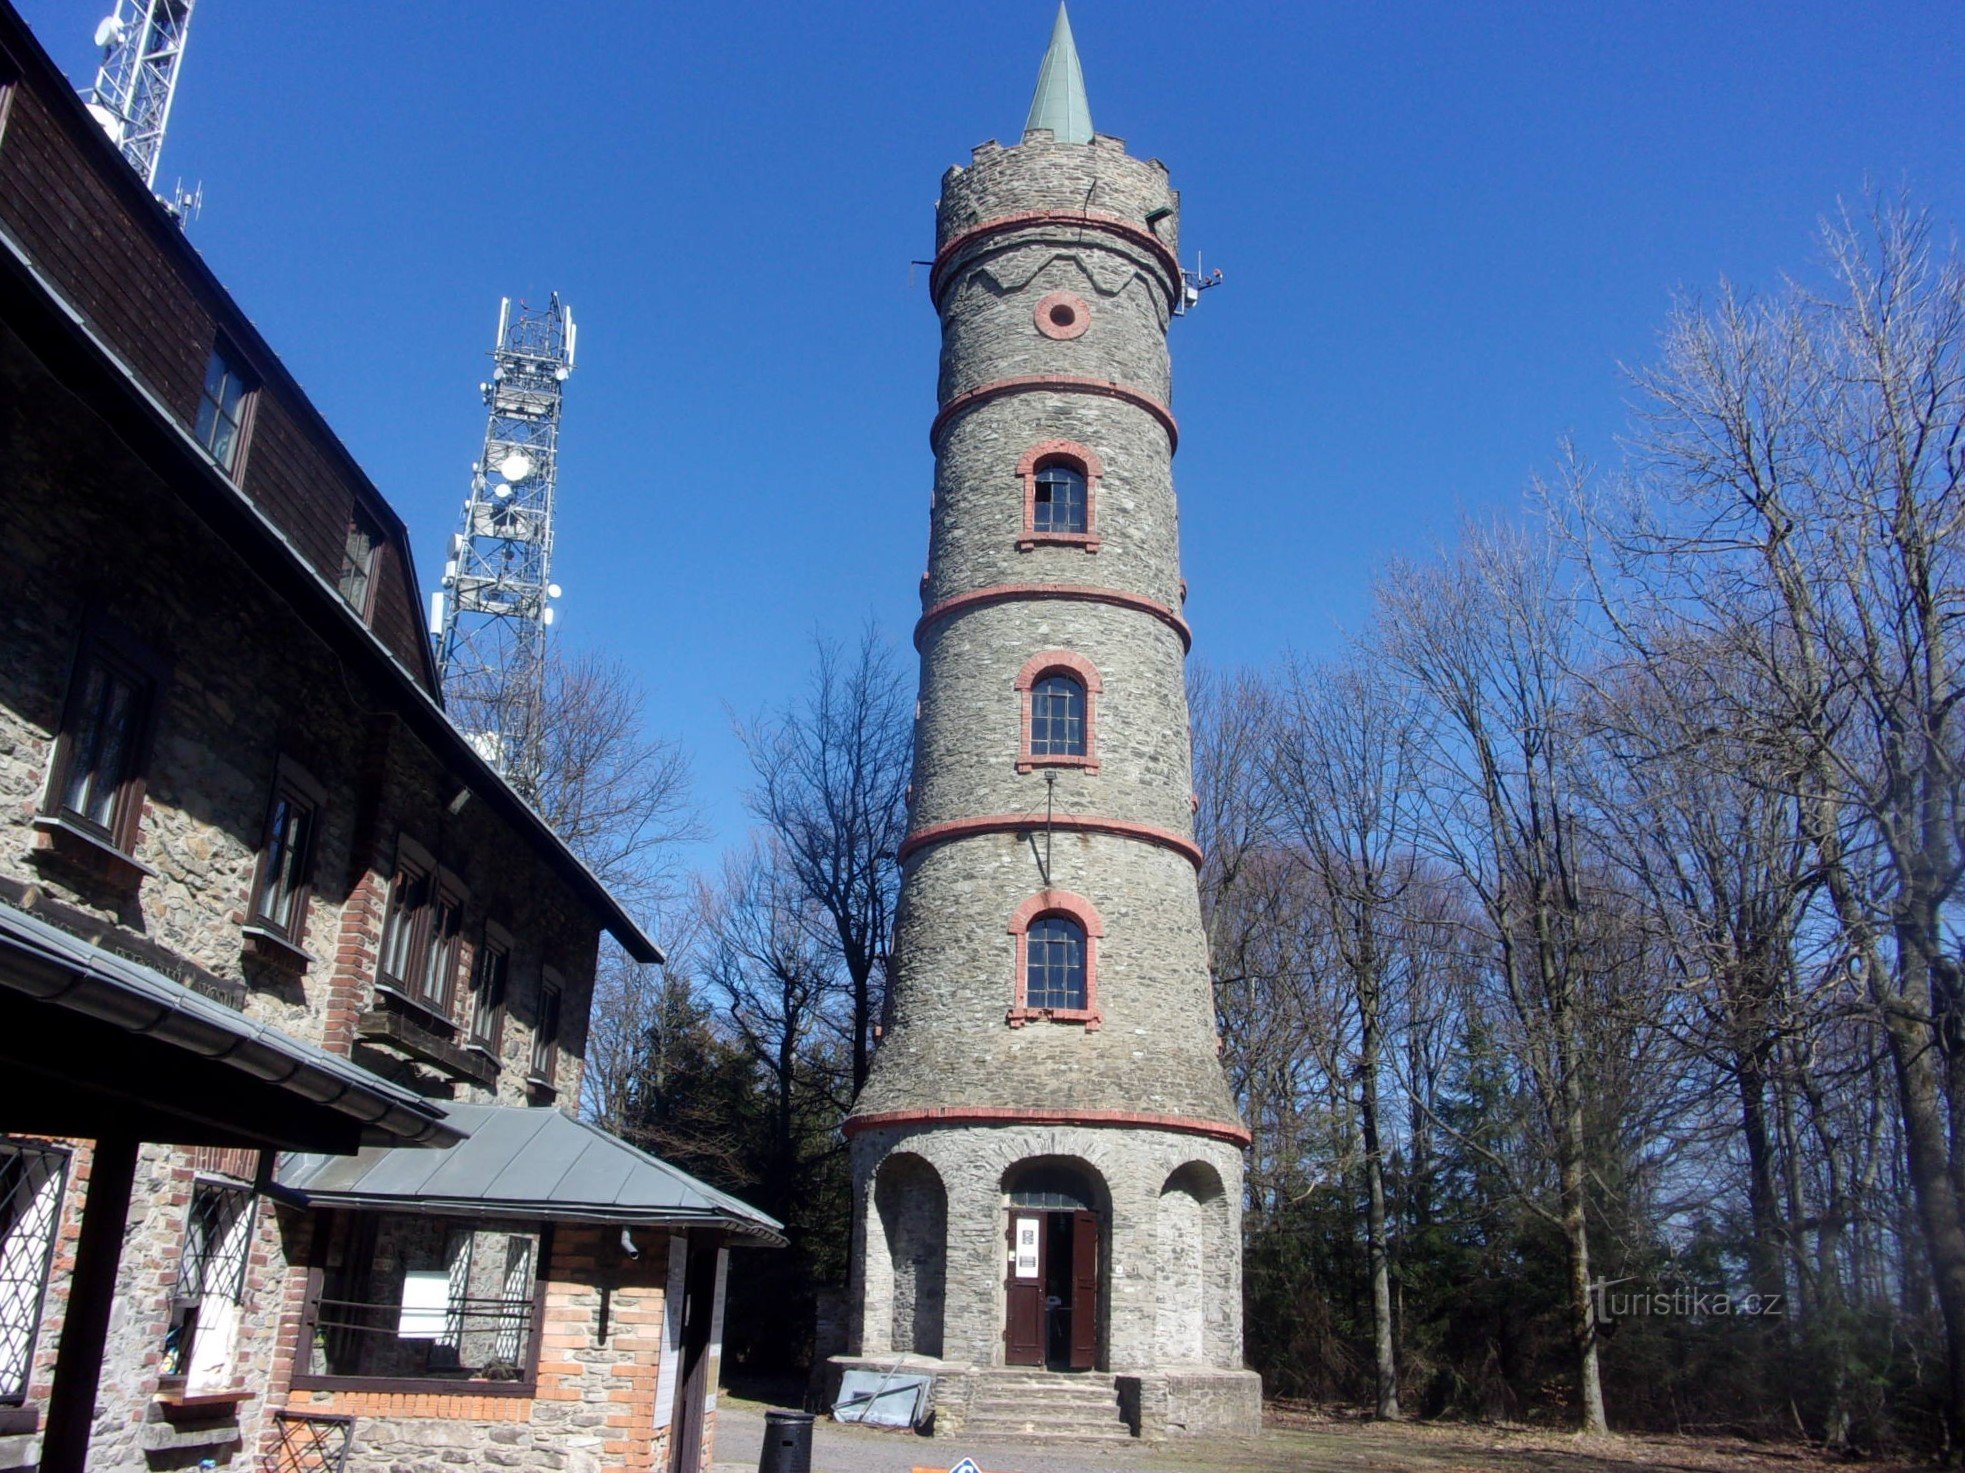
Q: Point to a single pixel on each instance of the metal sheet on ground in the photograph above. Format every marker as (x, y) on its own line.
(881, 1399)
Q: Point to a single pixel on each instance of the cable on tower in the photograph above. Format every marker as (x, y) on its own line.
(142, 45)
(490, 618)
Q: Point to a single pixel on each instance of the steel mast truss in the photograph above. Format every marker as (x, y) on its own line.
(143, 47)
(491, 616)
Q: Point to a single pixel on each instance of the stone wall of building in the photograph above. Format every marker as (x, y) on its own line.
(246, 684)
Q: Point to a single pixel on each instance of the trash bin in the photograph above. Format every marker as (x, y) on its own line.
(787, 1443)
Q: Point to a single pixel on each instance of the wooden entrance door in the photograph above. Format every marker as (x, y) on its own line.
(1023, 1291)
(1043, 1266)
(1084, 1290)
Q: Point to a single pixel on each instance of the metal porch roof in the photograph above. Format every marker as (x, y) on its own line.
(524, 1162)
(44, 967)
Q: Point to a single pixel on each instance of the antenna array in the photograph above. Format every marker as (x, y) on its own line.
(142, 45)
(490, 618)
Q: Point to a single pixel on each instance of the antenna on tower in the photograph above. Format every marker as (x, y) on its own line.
(1193, 283)
(142, 45)
(489, 620)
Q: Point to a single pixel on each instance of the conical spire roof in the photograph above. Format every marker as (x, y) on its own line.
(1060, 103)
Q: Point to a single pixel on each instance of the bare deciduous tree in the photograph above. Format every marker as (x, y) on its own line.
(832, 773)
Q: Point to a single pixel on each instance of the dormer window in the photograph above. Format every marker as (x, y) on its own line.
(222, 408)
(358, 560)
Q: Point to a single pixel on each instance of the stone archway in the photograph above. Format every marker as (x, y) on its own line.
(911, 1207)
(1193, 1216)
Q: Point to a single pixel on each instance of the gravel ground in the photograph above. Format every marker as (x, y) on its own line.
(1306, 1445)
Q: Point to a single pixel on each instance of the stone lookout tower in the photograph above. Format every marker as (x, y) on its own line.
(1047, 1160)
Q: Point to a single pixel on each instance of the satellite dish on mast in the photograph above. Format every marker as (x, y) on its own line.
(516, 466)
(109, 34)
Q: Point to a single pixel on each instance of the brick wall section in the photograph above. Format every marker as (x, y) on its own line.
(593, 1410)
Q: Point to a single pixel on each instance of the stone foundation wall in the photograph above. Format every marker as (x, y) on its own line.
(1195, 1403)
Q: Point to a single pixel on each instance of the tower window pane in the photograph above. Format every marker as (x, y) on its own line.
(1054, 972)
(1060, 504)
(1057, 717)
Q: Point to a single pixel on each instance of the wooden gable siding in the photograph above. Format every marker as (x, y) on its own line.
(118, 264)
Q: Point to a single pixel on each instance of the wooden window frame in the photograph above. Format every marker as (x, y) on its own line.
(360, 517)
(108, 644)
(427, 994)
(543, 1068)
(487, 1024)
(1072, 907)
(280, 940)
(1080, 669)
(1086, 462)
(226, 352)
(423, 1386)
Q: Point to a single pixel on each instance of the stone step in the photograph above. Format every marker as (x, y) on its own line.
(993, 1426)
(1057, 1401)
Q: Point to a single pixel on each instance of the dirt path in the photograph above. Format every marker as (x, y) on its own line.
(1307, 1446)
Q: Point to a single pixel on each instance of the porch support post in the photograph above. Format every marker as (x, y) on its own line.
(91, 1295)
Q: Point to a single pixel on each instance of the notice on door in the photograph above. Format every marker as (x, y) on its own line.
(1027, 1247)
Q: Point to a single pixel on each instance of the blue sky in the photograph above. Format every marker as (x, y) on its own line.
(1442, 227)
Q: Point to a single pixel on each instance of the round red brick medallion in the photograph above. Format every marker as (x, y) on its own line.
(1063, 315)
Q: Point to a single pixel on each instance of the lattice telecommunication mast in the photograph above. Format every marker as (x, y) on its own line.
(142, 45)
(490, 618)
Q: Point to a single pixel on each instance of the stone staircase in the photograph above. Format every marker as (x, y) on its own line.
(1018, 1402)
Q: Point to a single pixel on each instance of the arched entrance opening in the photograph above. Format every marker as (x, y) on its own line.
(912, 1206)
(1058, 1212)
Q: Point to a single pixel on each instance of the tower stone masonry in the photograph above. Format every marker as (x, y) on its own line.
(1047, 1161)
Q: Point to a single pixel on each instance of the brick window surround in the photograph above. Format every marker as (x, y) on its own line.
(1087, 463)
(1063, 316)
(1036, 908)
(1059, 662)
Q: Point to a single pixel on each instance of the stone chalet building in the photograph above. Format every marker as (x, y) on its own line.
(293, 988)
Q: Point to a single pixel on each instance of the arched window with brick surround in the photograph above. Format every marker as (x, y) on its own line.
(1060, 712)
(1060, 496)
(1056, 935)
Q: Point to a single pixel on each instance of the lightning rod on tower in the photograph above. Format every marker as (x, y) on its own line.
(490, 618)
(142, 45)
